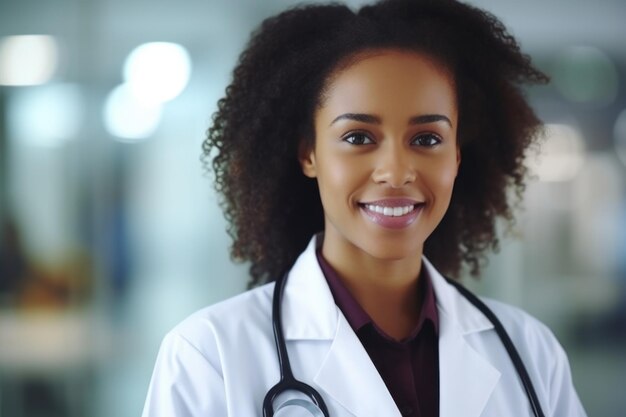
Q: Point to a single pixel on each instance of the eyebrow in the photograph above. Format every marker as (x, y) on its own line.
(416, 120)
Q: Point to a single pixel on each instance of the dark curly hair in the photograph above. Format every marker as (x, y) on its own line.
(252, 145)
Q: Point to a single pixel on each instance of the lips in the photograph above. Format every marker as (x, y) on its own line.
(392, 213)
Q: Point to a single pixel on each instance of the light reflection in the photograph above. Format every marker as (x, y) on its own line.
(157, 71)
(127, 118)
(46, 116)
(27, 59)
(562, 154)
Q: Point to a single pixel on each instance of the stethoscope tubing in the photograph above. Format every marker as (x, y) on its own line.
(289, 383)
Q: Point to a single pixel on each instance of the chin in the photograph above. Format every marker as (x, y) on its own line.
(394, 251)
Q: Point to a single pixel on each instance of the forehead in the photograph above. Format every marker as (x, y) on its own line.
(375, 78)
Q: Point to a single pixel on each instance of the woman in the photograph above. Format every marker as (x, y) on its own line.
(366, 154)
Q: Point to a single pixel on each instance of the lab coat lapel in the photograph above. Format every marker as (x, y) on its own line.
(309, 310)
(345, 371)
(466, 378)
(349, 376)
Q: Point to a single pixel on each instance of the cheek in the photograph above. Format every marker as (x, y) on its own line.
(442, 180)
(447, 178)
(338, 175)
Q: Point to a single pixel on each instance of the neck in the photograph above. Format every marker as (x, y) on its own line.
(387, 289)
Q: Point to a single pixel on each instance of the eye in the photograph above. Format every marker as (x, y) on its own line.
(358, 138)
(426, 139)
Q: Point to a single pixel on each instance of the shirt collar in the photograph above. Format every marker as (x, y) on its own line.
(358, 318)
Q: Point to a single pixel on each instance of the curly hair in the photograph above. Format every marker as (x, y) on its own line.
(280, 80)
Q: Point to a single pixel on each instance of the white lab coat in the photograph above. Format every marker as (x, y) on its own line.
(222, 360)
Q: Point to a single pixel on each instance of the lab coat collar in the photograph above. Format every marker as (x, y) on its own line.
(309, 310)
(450, 302)
(309, 313)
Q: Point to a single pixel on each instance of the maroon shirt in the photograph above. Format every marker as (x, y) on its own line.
(410, 368)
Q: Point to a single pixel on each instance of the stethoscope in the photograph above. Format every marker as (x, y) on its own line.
(316, 407)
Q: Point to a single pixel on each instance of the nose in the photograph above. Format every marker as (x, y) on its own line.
(394, 166)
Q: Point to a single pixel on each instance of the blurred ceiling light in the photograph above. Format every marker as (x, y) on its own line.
(46, 116)
(562, 154)
(128, 118)
(585, 74)
(27, 59)
(158, 71)
(620, 136)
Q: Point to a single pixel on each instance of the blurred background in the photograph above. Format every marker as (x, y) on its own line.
(110, 232)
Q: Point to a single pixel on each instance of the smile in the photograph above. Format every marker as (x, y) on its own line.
(391, 211)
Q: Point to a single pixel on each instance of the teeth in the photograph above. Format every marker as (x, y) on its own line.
(390, 211)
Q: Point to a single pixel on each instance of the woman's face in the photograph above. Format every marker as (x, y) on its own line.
(385, 154)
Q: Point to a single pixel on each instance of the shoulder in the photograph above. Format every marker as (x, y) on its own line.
(200, 355)
(522, 326)
(538, 347)
(207, 327)
(535, 341)
(544, 357)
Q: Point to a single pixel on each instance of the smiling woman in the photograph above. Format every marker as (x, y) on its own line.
(360, 157)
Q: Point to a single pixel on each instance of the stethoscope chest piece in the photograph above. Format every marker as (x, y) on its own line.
(298, 407)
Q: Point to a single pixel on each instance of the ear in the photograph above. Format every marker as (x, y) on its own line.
(306, 157)
(458, 158)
